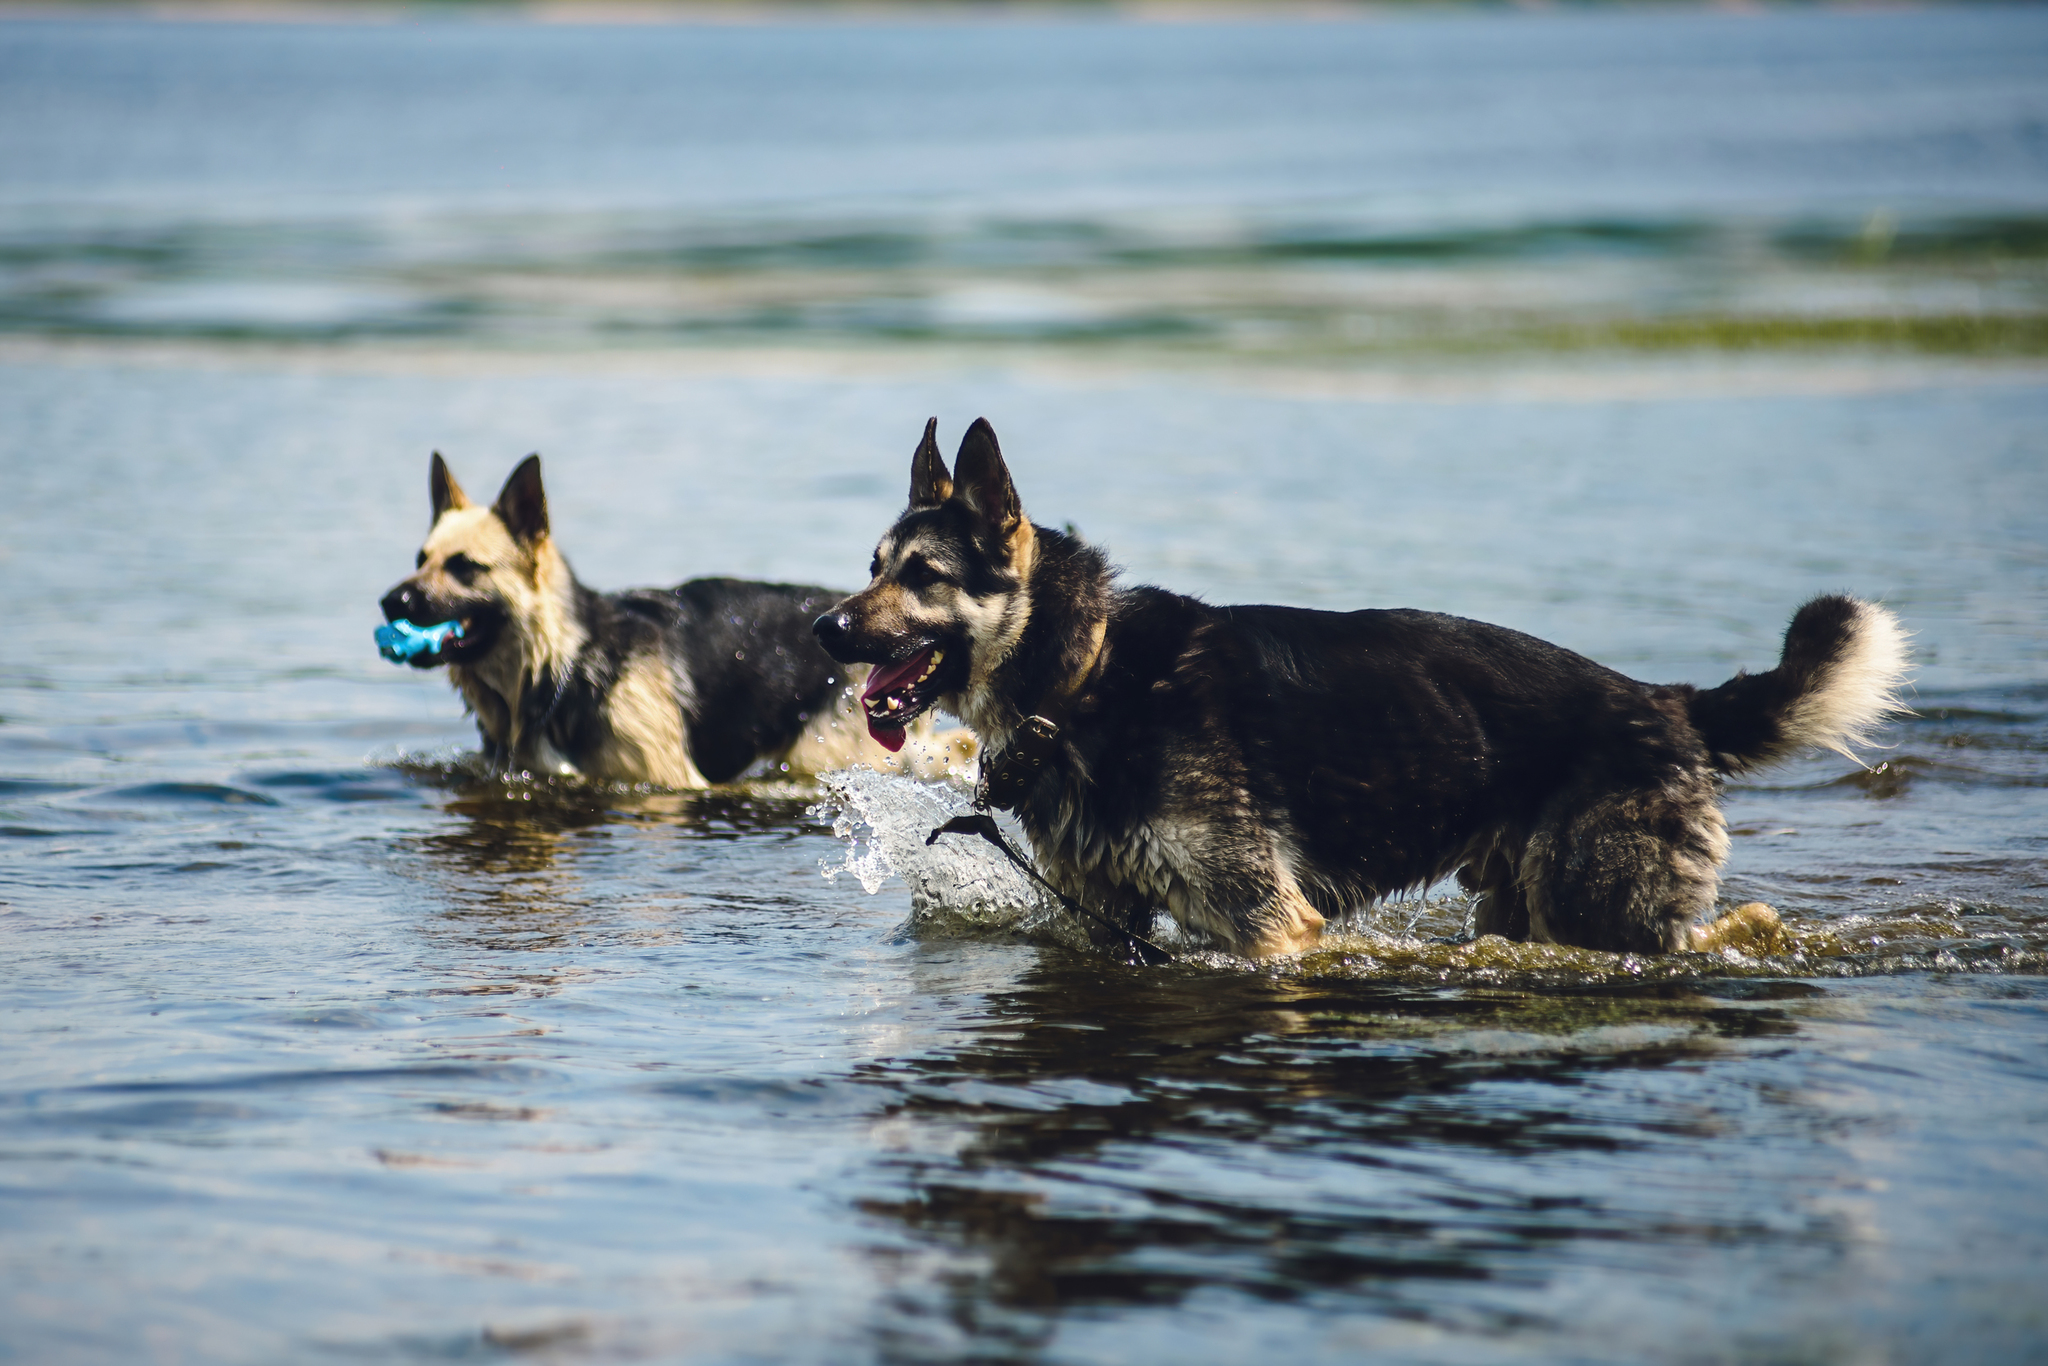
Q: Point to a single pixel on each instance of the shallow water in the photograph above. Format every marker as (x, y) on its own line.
(325, 1049)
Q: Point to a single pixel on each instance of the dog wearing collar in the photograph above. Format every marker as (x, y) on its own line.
(671, 687)
(1255, 771)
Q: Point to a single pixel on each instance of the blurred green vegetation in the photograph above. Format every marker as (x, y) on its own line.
(1958, 334)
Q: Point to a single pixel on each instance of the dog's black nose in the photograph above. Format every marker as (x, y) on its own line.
(832, 628)
(403, 601)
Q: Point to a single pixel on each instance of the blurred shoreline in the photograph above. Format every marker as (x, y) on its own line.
(1529, 377)
(1323, 287)
(1630, 193)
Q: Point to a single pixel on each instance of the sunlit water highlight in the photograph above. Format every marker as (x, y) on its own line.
(325, 1045)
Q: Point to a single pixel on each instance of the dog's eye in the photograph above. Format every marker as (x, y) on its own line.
(918, 573)
(419, 561)
(464, 568)
(875, 567)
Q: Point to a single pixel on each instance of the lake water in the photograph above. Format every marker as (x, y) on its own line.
(1626, 329)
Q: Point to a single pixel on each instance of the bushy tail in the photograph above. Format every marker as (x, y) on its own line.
(1838, 677)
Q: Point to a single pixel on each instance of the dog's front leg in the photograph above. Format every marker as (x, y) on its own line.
(1283, 923)
(1121, 915)
(493, 718)
(1244, 893)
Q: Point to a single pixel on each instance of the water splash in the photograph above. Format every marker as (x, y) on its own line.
(444, 765)
(959, 887)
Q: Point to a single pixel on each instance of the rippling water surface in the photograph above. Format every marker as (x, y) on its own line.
(1626, 330)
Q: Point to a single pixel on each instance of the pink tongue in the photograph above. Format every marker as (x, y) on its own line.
(886, 678)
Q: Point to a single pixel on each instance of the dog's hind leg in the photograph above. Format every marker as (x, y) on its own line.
(1625, 869)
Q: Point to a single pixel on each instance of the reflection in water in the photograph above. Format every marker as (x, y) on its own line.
(1119, 1139)
(513, 869)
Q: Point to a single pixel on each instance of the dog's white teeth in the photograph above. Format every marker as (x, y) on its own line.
(895, 704)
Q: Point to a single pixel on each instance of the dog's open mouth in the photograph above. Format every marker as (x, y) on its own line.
(898, 694)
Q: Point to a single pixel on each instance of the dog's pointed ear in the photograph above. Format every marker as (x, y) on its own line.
(930, 484)
(522, 505)
(982, 480)
(442, 488)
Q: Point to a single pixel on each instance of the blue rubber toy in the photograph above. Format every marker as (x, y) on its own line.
(401, 640)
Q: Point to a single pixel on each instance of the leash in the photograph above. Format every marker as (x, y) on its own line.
(982, 824)
(1007, 778)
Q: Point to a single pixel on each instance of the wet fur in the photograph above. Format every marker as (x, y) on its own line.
(673, 687)
(1257, 770)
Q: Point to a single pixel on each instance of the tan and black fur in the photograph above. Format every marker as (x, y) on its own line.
(673, 687)
(1257, 770)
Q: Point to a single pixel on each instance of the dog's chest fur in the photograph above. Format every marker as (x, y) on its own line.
(1150, 798)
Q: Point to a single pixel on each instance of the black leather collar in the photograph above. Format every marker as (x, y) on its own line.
(1008, 776)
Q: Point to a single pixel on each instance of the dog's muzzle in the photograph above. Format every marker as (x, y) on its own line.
(832, 630)
(405, 602)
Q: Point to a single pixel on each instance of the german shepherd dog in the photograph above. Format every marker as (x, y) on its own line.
(1255, 770)
(675, 687)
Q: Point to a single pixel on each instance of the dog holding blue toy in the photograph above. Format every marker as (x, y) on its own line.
(672, 687)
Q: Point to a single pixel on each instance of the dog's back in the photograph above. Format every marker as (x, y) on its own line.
(756, 676)
(1389, 738)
